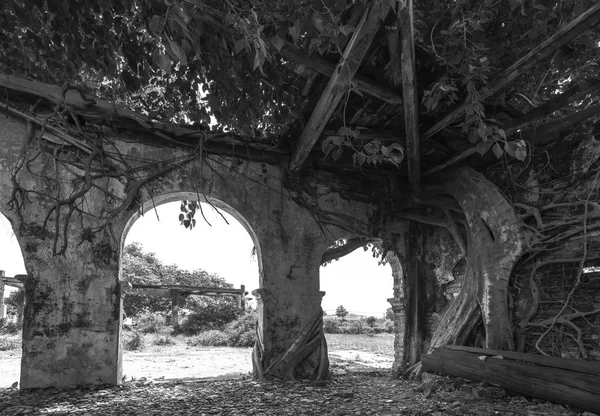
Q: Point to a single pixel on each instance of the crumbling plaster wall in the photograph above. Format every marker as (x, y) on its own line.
(73, 304)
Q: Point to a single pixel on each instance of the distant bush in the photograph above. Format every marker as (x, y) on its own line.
(150, 322)
(239, 333)
(242, 331)
(163, 340)
(331, 327)
(133, 341)
(9, 343)
(208, 314)
(211, 338)
(9, 327)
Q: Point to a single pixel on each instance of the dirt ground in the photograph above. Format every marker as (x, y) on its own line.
(185, 362)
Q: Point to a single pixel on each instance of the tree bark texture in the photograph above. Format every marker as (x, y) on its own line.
(495, 243)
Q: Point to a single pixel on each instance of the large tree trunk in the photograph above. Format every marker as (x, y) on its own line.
(495, 243)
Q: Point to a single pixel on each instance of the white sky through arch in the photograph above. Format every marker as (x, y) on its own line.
(355, 281)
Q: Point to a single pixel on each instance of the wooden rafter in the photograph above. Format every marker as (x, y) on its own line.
(409, 90)
(542, 51)
(339, 81)
(325, 67)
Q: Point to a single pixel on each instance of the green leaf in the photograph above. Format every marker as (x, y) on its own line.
(239, 45)
(359, 158)
(497, 150)
(510, 149)
(178, 53)
(347, 29)
(164, 62)
(156, 24)
(294, 33)
(337, 153)
(277, 42)
(521, 153)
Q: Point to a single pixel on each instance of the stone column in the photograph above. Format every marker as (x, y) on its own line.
(289, 301)
(72, 313)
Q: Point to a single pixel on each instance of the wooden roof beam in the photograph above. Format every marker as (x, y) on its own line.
(409, 90)
(323, 66)
(544, 50)
(341, 78)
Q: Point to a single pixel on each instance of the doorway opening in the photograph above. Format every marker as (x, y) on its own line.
(188, 311)
(358, 320)
(12, 302)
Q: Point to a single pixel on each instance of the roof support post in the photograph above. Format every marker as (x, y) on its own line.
(409, 89)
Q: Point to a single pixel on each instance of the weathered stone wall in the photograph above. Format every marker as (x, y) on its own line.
(73, 303)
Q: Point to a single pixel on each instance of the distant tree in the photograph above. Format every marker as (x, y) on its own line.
(142, 267)
(341, 312)
(389, 314)
(14, 305)
(371, 321)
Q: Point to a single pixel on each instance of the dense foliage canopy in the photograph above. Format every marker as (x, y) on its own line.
(227, 64)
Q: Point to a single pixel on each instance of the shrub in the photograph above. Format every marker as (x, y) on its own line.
(208, 314)
(371, 320)
(163, 340)
(370, 332)
(133, 341)
(150, 322)
(355, 328)
(331, 327)
(211, 338)
(9, 327)
(242, 331)
(9, 343)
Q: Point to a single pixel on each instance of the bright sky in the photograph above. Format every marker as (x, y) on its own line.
(355, 281)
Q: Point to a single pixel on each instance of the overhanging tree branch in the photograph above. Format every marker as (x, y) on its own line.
(542, 51)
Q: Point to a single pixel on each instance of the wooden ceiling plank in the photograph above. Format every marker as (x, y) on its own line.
(340, 80)
(544, 50)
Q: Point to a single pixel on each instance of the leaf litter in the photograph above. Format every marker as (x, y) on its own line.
(351, 393)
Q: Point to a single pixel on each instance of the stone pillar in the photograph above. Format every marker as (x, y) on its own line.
(397, 304)
(72, 313)
(289, 301)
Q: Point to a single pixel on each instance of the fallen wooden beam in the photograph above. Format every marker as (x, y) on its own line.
(582, 366)
(544, 50)
(550, 383)
(341, 78)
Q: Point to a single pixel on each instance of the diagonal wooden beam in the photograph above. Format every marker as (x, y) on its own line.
(342, 77)
(364, 84)
(563, 36)
(409, 89)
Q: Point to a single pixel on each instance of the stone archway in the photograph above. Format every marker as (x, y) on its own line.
(161, 200)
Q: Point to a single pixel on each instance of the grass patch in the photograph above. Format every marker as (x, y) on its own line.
(377, 343)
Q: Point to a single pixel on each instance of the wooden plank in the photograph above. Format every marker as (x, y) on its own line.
(325, 67)
(581, 366)
(341, 78)
(563, 36)
(556, 385)
(12, 281)
(409, 90)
